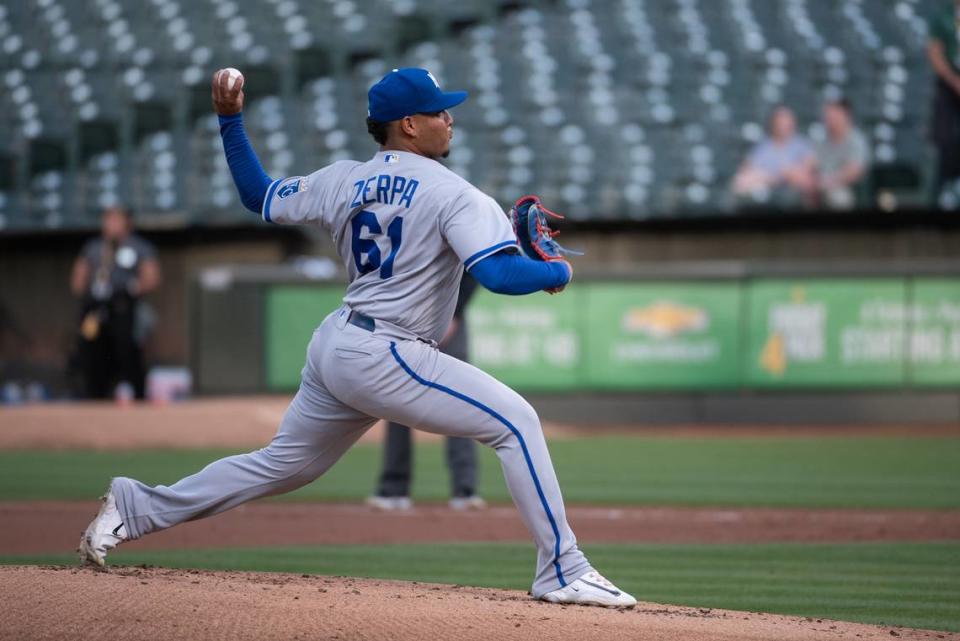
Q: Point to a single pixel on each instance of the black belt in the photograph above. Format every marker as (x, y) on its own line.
(361, 321)
(367, 323)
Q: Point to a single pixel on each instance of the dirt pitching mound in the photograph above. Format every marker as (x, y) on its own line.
(138, 604)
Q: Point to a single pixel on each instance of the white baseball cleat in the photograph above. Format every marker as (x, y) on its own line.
(390, 503)
(104, 533)
(466, 503)
(591, 589)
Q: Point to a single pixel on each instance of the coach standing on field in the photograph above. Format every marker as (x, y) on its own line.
(111, 274)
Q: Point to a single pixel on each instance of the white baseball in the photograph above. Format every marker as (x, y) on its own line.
(234, 77)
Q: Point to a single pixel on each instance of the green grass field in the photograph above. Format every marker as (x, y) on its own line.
(914, 585)
(785, 472)
(910, 584)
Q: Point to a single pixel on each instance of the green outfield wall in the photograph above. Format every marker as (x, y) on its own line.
(683, 335)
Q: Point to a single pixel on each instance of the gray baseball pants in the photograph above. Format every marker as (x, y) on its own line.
(351, 378)
(461, 453)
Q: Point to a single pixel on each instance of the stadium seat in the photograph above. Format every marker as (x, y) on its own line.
(619, 109)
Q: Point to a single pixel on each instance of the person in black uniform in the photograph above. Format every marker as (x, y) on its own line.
(393, 488)
(943, 51)
(111, 274)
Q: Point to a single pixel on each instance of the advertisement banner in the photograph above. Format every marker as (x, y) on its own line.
(531, 342)
(662, 335)
(829, 333)
(291, 314)
(842, 333)
(935, 332)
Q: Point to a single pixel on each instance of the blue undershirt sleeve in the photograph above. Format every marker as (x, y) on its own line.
(514, 274)
(248, 174)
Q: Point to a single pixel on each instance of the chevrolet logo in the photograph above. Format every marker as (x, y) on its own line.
(665, 319)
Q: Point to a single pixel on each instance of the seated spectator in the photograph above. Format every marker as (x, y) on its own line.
(780, 167)
(842, 158)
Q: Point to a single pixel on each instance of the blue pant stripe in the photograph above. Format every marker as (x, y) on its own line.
(523, 446)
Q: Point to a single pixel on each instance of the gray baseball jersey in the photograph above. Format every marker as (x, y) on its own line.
(404, 225)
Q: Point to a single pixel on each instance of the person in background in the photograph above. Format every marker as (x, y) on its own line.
(943, 52)
(111, 274)
(393, 488)
(781, 165)
(842, 158)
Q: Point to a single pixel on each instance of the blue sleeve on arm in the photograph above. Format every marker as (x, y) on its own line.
(251, 180)
(515, 274)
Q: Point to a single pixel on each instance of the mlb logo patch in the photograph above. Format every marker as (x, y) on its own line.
(391, 159)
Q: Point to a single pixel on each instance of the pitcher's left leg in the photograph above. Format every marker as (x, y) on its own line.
(418, 386)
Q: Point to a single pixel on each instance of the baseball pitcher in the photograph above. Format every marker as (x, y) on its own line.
(406, 228)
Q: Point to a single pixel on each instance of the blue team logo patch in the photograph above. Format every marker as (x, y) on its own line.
(290, 189)
(391, 158)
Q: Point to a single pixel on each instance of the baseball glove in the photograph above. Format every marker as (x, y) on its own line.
(532, 228)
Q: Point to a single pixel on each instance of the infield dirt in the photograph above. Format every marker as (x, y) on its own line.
(54, 526)
(252, 421)
(136, 604)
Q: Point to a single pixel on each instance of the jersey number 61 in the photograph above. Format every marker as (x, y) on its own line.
(367, 248)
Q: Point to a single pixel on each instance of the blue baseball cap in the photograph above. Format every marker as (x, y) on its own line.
(407, 91)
